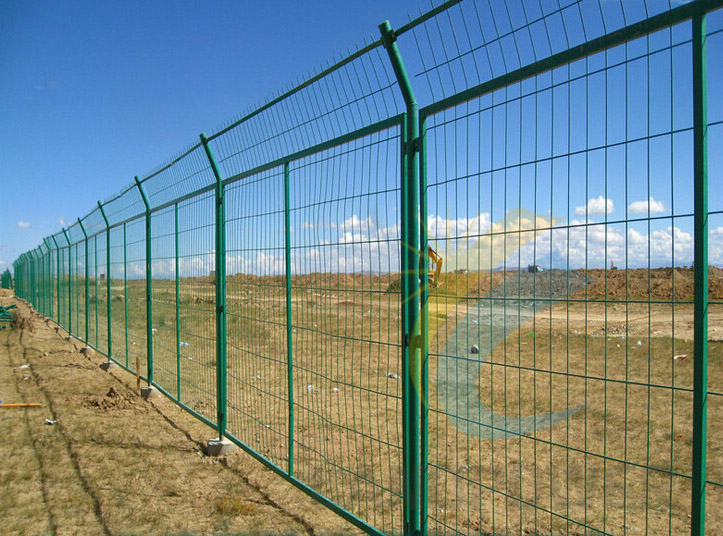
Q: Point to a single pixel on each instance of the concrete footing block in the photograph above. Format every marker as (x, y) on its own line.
(107, 365)
(87, 350)
(149, 392)
(220, 447)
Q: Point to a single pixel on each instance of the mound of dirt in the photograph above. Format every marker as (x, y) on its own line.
(113, 400)
(665, 284)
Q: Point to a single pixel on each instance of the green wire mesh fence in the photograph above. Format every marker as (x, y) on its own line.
(561, 375)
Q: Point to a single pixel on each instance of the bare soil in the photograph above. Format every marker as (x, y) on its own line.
(109, 462)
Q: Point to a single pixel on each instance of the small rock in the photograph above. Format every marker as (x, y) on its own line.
(474, 349)
(640, 343)
(335, 390)
(182, 344)
(309, 388)
(49, 421)
(392, 376)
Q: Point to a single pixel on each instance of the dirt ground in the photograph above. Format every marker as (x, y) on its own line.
(621, 349)
(111, 463)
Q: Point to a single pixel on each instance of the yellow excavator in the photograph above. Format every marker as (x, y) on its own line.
(435, 263)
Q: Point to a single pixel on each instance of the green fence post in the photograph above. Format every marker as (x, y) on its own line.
(700, 324)
(57, 276)
(289, 319)
(178, 303)
(70, 290)
(39, 278)
(220, 226)
(411, 344)
(107, 278)
(424, 373)
(87, 299)
(149, 284)
(48, 279)
(31, 279)
(125, 293)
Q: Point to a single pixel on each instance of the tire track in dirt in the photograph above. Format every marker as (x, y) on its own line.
(33, 439)
(63, 434)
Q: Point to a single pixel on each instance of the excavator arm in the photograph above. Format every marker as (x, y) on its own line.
(436, 267)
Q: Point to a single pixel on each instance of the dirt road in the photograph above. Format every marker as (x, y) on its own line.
(107, 462)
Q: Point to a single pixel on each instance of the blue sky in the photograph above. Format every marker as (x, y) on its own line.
(93, 93)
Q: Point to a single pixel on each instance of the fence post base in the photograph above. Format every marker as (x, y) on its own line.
(149, 392)
(220, 447)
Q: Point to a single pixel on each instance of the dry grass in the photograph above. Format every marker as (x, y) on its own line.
(114, 464)
(620, 465)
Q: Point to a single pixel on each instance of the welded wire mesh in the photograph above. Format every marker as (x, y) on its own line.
(93, 289)
(79, 306)
(345, 308)
(100, 267)
(135, 296)
(118, 282)
(258, 387)
(182, 176)
(581, 367)
(562, 176)
(166, 351)
(474, 42)
(351, 95)
(714, 43)
(197, 328)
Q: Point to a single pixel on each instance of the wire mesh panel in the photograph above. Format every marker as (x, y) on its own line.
(563, 208)
(135, 286)
(197, 328)
(165, 342)
(573, 352)
(101, 291)
(93, 289)
(79, 289)
(714, 133)
(63, 296)
(345, 315)
(258, 388)
(118, 294)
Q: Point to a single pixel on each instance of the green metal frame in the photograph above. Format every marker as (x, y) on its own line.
(412, 345)
(107, 279)
(125, 291)
(33, 269)
(87, 297)
(149, 284)
(700, 327)
(57, 273)
(220, 258)
(289, 315)
(70, 282)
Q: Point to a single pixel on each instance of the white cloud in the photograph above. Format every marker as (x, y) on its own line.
(595, 207)
(23, 224)
(594, 245)
(641, 207)
(62, 222)
(475, 243)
